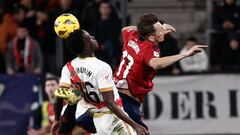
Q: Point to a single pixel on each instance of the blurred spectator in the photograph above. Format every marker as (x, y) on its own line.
(196, 63)
(30, 14)
(230, 56)
(107, 32)
(100, 18)
(227, 17)
(64, 7)
(29, 8)
(24, 54)
(226, 20)
(167, 48)
(51, 84)
(81, 4)
(8, 30)
(91, 14)
(63, 55)
(8, 27)
(46, 38)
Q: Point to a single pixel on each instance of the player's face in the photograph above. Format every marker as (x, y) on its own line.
(90, 41)
(50, 87)
(22, 33)
(161, 31)
(158, 36)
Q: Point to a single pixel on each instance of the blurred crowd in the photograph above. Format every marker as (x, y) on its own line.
(225, 38)
(28, 43)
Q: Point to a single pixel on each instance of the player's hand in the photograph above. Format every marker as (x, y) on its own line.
(55, 127)
(32, 131)
(141, 130)
(168, 28)
(37, 71)
(10, 71)
(194, 50)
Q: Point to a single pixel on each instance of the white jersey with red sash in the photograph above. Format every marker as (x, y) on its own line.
(94, 76)
(91, 75)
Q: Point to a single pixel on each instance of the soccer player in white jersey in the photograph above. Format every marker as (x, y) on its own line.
(93, 77)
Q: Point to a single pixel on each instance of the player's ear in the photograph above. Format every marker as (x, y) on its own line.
(151, 38)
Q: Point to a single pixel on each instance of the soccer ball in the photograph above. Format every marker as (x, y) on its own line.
(65, 24)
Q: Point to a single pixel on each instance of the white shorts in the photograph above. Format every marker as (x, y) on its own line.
(109, 124)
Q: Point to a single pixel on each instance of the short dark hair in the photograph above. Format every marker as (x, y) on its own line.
(192, 38)
(52, 79)
(145, 24)
(75, 42)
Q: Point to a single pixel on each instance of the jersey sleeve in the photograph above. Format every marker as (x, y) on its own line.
(151, 52)
(65, 77)
(126, 33)
(104, 78)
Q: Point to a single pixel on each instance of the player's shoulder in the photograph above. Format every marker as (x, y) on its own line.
(102, 65)
(131, 34)
(65, 67)
(149, 46)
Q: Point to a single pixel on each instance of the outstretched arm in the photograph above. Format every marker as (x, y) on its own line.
(160, 63)
(130, 28)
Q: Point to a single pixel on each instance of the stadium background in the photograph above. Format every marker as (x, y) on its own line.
(202, 99)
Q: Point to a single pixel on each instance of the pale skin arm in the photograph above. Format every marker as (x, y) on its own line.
(129, 28)
(42, 131)
(168, 28)
(160, 63)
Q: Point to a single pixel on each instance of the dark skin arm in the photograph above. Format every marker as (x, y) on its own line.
(108, 98)
(57, 110)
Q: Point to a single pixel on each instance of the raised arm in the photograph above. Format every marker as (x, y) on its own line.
(129, 28)
(160, 63)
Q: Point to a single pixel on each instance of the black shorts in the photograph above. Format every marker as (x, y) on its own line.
(132, 108)
(68, 121)
(86, 122)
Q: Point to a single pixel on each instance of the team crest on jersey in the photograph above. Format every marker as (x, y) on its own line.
(156, 54)
(106, 77)
(134, 46)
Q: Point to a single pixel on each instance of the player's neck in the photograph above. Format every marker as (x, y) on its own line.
(86, 55)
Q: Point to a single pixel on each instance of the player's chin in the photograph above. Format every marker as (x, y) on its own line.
(96, 45)
(160, 40)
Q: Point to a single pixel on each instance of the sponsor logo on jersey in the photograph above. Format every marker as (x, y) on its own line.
(106, 77)
(156, 54)
(134, 46)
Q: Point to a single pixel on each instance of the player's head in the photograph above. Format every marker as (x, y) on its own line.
(151, 29)
(81, 43)
(230, 2)
(22, 30)
(51, 84)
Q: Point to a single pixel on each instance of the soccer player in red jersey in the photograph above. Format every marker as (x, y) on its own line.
(140, 60)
